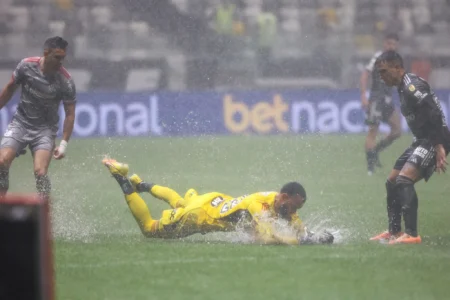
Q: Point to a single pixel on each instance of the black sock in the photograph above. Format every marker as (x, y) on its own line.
(144, 187)
(4, 181)
(383, 144)
(408, 197)
(43, 186)
(394, 208)
(124, 183)
(371, 157)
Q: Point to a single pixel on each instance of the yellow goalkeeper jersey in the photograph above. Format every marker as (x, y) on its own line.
(220, 212)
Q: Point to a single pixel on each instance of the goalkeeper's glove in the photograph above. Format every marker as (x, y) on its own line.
(320, 238)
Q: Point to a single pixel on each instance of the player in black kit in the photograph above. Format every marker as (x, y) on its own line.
(379, 107)
(423, 113)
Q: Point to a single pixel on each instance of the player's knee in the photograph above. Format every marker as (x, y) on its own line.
(392, 178)
(5, 163)
(372, 133)
(150, 229)
(390, 184)
(40, 171)
(396, 133)
(403, 181)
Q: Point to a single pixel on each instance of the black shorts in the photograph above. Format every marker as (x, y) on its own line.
(421, 154)
(380, 110)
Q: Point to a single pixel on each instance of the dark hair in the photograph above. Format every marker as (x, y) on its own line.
(293, 188)
(391, 57)
(55, 42)
(392, 36)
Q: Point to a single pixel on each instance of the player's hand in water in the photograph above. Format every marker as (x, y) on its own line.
(441, 159)
(324, 237)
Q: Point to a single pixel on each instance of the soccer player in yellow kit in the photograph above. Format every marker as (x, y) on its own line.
(213, 212)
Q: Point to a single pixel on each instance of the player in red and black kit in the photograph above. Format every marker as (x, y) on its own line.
(423, 113)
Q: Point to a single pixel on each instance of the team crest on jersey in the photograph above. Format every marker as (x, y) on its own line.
(265, 206)
(412, 88)
(216, 201)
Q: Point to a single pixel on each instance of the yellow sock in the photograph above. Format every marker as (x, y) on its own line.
(168, 195)
(141, 213)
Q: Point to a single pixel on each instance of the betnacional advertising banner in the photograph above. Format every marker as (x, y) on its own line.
(212, 113)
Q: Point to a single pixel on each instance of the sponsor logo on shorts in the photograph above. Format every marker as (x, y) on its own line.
(421, 152)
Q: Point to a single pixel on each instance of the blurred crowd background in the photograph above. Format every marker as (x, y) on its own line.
(223, 44)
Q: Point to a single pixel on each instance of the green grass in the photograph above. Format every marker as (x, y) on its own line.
(100, 253)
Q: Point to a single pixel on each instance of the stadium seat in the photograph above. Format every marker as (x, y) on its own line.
(439, 78)
(119, 37)
(101, 14)
(17, 46)
(21, 19)
(143, 80)
(182, 5)
(117, 33)
(82, 79)
(57, 28)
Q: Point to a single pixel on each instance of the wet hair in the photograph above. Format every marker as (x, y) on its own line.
(392, 36)
(391, 57)
(293, 188)
(55, 42)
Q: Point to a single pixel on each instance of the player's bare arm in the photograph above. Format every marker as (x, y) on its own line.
(364, 79)
(7, 93)
(69, 121)
(266, 234)
(441, 159)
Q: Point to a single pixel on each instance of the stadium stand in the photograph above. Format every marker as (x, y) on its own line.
(234, 43)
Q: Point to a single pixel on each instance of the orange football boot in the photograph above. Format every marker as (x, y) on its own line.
(386, 236)
(406, 239)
